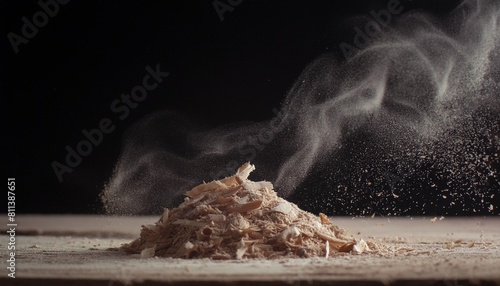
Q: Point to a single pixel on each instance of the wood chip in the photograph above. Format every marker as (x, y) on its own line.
(327, 249)
(218, 218)
(148, 252)
(324, 218)
(331, 239)
(189, 222)
(164, 217)
(360, 247)
(245, 207)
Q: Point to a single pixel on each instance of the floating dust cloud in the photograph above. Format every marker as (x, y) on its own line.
(407, 126)
(235, 218)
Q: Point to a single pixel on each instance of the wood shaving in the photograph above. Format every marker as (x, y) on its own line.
(235, 218)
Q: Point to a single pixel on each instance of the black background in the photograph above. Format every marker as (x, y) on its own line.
(65, 78)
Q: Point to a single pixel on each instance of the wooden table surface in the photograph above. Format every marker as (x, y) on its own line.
(74, 250)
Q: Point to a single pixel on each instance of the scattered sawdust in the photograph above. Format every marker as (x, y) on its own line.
(235, 218)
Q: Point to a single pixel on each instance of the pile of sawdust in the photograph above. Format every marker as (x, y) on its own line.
(236, 218)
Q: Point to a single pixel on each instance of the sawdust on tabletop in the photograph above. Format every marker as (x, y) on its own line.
(235, 218)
